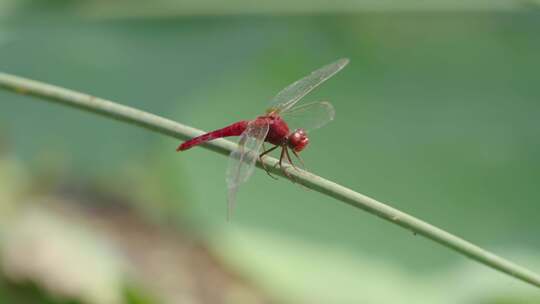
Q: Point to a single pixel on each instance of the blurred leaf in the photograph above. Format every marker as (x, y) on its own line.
(135, 295)
(28, 293)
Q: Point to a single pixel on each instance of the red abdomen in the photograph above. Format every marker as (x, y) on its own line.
(232, 130)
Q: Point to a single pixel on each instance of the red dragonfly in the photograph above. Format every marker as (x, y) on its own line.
(272, 128)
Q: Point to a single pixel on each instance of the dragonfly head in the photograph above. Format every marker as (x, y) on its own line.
(298, 140)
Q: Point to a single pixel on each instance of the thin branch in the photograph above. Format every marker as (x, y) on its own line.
(171, 128)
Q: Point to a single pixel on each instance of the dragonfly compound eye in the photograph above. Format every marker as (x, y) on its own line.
(298, 140)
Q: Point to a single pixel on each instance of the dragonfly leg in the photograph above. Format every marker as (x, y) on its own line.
(289, 159)
(262, 163)
(281, 157)
(285, 153)
(300, 159)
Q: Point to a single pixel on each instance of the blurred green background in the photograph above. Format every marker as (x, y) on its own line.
(437, 115)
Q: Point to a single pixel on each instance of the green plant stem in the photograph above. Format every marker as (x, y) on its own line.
(171, 128)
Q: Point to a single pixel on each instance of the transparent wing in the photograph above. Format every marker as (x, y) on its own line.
(242, 160)
(285, 99)
(309, 116)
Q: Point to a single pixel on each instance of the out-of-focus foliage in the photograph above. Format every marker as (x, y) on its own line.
(169, 8)
(79, 245)
(437, 114)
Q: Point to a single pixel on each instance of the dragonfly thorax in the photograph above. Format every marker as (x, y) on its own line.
(298, 140)
(278, 129)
